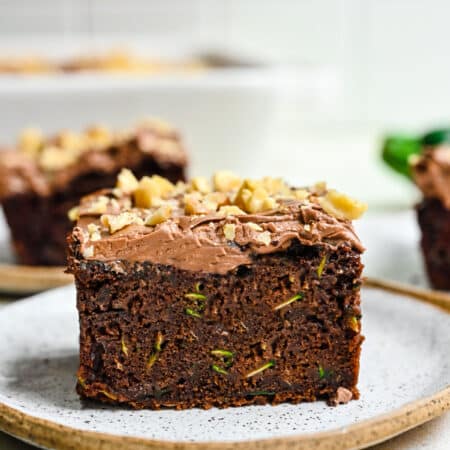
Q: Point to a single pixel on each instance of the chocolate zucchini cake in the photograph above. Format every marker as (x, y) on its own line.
(227, 293)
(431, 172)
(45, 177)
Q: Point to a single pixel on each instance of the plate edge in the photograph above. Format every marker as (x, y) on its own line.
(49, 434)
(369, 432)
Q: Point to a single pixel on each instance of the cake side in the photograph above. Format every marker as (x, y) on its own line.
(431, 172)
(156, 336)
(434, 222)
(42, 180)
(223, 307)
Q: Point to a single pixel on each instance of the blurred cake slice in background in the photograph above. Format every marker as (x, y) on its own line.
(431, 173)
(45, 177)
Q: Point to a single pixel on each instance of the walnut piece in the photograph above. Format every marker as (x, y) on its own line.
(94, 232)
(151, 191)
(275, 186)
(225, 181)
(196, 203)
(52, 158)
(159, 216)
(264, 237)
(115, 223)
(253, 198)
(126, 181)
(98, 206)
(74, 214)
(301, 194)
(231, 210)
(229, 230)
(69, 140)
(154, 123)
(31, 141)
(254, 226)
(341, 206)
(98, 137)
(200, 184)
(320, 188)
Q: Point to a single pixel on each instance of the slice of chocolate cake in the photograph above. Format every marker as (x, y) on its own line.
(225, 294)
(431, 172)
(45, 177)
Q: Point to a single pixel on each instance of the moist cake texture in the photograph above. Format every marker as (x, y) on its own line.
(45, 177)
(222, 293)
(431, 172)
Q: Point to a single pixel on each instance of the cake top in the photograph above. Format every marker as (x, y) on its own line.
(431, 173)
(209, 226)
(44, 164)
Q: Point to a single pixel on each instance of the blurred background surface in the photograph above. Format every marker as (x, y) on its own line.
(322, 80)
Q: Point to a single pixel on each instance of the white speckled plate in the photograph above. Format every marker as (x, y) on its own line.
(405, 377)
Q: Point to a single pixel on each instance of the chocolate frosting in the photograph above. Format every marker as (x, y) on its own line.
(198, 243)
(19, 173)
(431, 173)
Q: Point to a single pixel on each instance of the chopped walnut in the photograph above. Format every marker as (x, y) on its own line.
(264, 237)
(230, 210)
(151, 191)
(254, 226)
(31, 141)
(229, 230)
(126, 181)
(54, 158)
(98, 206)
(156, 124)
(200, 184)
(243, 197)
(269, 203)
(320, 188)
(253, 198)
(301, 194)
(69, 140)
(159, 216)
(342, 206)
(115, 223)
(94, 232)
(88, 252)
(220, 198)
(195, 203)
(98, 136)
(74, 213)
(225, 181)
(275, 186)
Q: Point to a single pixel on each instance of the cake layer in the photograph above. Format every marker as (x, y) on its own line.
(434, 221)
(285, 328)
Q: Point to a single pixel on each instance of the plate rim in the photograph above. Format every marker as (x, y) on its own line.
(22, 279)
(49, 434)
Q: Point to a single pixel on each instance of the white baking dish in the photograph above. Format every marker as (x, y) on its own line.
(226, 115)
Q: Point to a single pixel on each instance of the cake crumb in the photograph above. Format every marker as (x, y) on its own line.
(343, 395)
